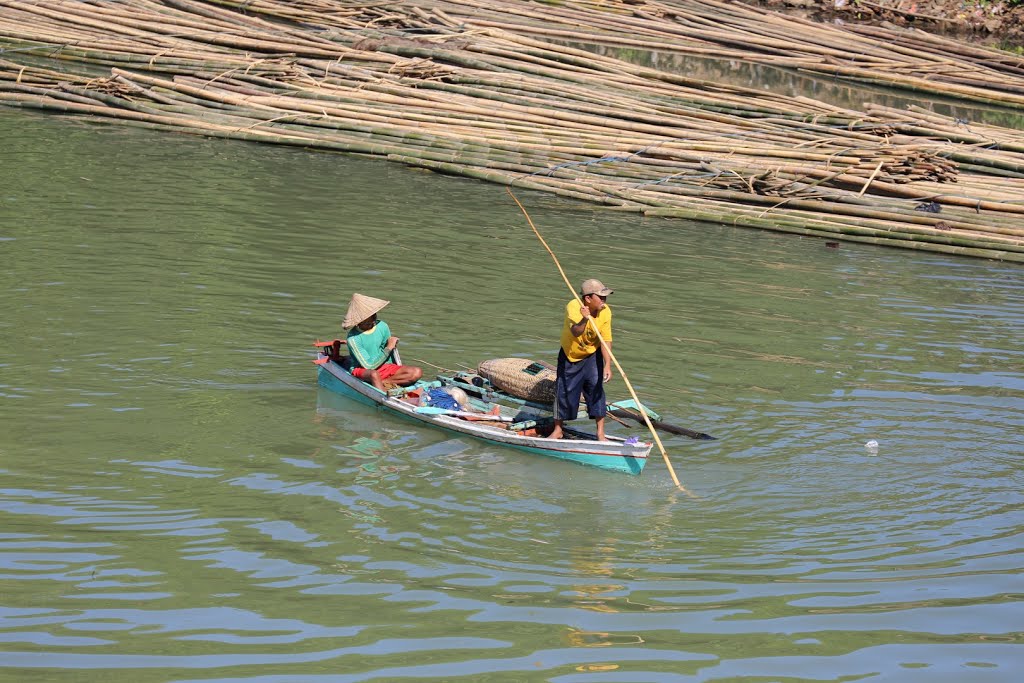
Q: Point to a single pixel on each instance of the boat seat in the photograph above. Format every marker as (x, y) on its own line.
(332, 349)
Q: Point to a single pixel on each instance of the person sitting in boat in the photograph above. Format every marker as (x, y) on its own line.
(372, 348)
(582, 367)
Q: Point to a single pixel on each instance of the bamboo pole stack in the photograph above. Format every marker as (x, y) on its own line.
(475, 89)
(902, 58)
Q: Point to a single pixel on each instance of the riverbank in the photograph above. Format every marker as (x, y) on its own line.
(998, 24)
(513, 93)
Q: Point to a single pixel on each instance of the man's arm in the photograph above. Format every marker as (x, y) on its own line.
(367, 348)
(606, 335)
(577, 329)
(607, 361)
(358, 352)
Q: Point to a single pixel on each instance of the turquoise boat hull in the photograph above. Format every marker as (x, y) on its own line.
(615, 455)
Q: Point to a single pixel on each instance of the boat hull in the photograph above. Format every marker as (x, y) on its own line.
(616, 456)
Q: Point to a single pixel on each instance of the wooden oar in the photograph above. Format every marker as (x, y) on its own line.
(635, 415)
(604, 345)
(663, 426)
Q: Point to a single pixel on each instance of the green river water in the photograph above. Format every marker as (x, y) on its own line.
(179, 501)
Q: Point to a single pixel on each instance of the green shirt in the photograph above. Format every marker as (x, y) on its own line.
(369, 349)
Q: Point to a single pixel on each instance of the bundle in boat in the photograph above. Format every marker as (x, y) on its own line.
(521, 377)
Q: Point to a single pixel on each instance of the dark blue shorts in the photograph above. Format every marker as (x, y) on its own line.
(582, 377)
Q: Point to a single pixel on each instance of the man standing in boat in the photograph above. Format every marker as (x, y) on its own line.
(371, 345)
(582, 367)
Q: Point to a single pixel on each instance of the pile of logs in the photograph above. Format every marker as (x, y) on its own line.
(472, 88)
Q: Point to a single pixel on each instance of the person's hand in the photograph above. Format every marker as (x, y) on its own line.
(608, 374)
(585, 311)
(392, 343)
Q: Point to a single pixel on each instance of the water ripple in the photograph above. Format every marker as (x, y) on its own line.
(180, 501)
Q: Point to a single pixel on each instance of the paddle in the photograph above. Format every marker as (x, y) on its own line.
(635, 415)
(663, 426)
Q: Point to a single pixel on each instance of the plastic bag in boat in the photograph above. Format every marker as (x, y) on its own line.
(439, 398)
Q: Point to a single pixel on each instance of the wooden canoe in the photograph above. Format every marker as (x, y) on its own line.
(492, 416)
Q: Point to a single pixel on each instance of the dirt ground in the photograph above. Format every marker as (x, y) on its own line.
(998, 23)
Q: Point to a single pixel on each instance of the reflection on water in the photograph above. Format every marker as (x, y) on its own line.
(181, 501)
(838, 92)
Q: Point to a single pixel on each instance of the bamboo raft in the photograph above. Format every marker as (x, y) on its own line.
(493, 91)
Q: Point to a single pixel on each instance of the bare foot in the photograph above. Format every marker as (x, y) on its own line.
(556, 433)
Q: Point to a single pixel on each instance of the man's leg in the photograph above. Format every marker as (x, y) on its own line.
(406, 375)
(594, 392)
(373, 377)
(565, 384)
(368, 376)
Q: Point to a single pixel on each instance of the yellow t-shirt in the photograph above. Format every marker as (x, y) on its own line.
(578, 348)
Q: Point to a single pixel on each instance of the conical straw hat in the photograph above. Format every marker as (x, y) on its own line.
(360, 308)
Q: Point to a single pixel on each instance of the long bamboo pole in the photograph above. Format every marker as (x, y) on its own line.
(604, 345)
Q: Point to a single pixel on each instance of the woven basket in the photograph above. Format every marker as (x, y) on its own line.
(521, 377)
